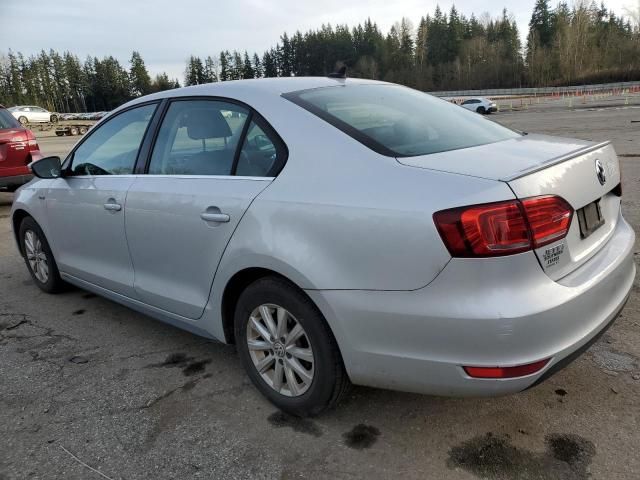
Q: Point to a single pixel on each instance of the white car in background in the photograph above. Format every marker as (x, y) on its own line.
(480, 105)
(33, 114)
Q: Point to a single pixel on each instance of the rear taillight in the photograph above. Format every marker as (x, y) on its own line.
(504, 228)
(31, 139)
(548, 217)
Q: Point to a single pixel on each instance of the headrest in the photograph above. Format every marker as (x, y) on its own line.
(206, 123)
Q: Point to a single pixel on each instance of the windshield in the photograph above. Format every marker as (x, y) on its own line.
(398, 121)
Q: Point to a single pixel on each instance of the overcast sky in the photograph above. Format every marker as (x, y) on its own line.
(166, 32)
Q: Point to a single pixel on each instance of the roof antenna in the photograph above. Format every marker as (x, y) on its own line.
(341, 73)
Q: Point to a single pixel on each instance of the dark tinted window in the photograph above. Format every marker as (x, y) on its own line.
(198, 137)
(469, 102)
(113, 147)
(7, 120)
(399, 121)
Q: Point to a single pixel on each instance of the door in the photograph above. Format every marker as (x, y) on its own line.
(36, 115)
(181, 215)
(86, 207)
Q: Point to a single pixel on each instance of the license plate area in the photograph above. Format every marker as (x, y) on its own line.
(590, 218)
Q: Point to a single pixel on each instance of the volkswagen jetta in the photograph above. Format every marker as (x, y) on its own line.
(339, 231)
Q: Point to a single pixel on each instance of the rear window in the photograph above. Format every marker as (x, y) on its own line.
(398, 121)
(7, 120)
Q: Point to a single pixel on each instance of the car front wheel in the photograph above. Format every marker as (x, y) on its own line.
(287, 348)
(38, 257)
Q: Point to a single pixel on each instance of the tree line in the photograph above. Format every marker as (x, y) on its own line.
(62, 83)
(586, 43)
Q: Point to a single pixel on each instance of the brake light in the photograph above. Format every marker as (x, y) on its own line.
(506, 372)
(549, 218)
(31, 139)
(504, 228)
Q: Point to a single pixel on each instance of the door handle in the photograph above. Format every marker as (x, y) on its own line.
(113, 207)
(215, 217)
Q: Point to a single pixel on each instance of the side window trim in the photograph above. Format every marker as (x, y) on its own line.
(241, 140)
(68, 162)
(253, 115)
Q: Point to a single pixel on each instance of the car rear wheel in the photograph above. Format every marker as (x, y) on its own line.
(38, 257)
(23, 120)
(287, 348)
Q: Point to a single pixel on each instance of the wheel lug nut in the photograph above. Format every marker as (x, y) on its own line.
(281, 361)
(288, 355)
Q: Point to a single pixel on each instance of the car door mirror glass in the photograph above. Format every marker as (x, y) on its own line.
(48, 167)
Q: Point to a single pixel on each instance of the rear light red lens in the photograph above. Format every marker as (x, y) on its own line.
(506, 372)
(504, 228)
(33, 144)
(549, 218)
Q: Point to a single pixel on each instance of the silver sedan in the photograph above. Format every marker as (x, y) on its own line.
(339, 231)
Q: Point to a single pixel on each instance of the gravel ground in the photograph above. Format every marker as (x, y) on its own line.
(87, 384)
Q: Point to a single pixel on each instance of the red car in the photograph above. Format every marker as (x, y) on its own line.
(18, 148)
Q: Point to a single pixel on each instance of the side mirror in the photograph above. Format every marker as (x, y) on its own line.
(48, 167)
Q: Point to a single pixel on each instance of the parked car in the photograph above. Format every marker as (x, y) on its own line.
(18, 148)
(340, 230)
(480, 105)
(32, 114)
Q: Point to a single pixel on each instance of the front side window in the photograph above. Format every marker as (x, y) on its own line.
(198, 137)
(398, 121)
(113, 147)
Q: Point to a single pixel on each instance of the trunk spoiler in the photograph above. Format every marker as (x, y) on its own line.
(556, 160)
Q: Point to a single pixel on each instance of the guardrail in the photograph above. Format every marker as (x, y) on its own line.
(574, 90)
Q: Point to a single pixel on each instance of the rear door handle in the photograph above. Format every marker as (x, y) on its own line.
(113, 207)
(215, 217)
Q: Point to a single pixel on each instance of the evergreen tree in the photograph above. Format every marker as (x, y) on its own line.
(139, 76)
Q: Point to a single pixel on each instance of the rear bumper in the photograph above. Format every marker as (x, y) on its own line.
(479, 312)
(14, 181)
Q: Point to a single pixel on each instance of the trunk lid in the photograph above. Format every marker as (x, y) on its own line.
(534, 165)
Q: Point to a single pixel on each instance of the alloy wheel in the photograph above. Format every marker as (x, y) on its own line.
(280, 350)
(36, 256)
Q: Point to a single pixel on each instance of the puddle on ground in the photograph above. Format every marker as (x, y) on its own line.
(494, 457)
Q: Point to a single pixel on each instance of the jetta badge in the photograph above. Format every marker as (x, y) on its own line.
(600, 172)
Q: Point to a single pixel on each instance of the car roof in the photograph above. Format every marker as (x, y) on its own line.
(240, 88)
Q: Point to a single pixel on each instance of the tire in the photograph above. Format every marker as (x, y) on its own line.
(82, 130)
(73, 131)
(481, 110)
(54, 119)
(23, 120)
(60, 133)
(52, 283)
(329, 380)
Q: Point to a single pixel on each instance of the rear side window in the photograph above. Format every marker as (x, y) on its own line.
(260, 154)
(113, 147)
(398, 121)
(198, 137)
(7, 120)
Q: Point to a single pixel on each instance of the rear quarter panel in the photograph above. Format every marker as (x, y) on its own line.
(340, 216)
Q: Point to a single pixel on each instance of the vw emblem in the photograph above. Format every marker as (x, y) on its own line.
(600, 172)
(278, 349)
